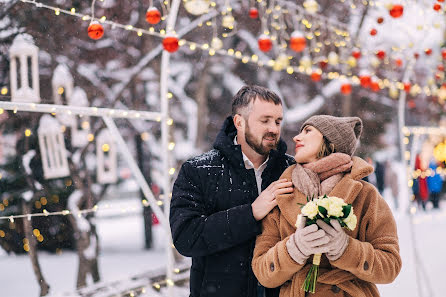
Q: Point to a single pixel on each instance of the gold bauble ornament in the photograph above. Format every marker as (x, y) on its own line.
(197, 7)
(216, 43)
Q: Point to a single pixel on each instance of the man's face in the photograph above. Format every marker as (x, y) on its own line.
(262, 126)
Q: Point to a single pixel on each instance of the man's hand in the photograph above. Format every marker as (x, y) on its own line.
(267, 199)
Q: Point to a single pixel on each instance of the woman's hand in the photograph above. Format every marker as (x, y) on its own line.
(307, 241)
(338, 239)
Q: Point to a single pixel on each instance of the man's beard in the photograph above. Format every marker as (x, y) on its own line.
(259, 147)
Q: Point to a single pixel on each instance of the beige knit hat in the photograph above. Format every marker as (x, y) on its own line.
(342, 132)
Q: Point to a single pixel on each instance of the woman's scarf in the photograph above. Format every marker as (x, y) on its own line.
(320, 177)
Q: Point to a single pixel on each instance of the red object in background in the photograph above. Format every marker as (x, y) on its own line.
(381, 54)
(95, 30)
(315, 76)
(440, 0)
(443, 54)
(297, 41)
(440, 67)
(411, 104)
(373, 32)
(153, 15)
(380, 20)
(323, 63)
(346, 89)
(428, 51)
(265, 43)
(253, 13)
(423, 191)
(407, 87)
(374, 86)
(365, 80)
(396, 11)
(170, 44)
(356, 54)
(416, 55)
(399, 62)
(437, 7)
(155, 220)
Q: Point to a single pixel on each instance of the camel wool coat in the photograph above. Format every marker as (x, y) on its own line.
(371, 257)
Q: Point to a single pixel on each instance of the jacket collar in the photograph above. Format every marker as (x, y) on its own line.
(348, 189)
(225, 143)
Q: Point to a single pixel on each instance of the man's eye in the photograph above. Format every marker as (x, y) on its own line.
(264, 121)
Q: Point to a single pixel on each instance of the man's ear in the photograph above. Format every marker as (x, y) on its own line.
(239, 122)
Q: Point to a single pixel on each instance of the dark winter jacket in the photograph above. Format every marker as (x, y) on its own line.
(211, 216)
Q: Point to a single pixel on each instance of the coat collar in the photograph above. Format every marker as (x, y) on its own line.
(348, 189)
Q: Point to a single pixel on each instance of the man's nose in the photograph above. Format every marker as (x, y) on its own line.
(274, 128)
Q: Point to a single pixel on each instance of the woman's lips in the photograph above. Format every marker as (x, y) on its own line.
(298, 146)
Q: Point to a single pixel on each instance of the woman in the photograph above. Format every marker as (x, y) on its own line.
(352, 261)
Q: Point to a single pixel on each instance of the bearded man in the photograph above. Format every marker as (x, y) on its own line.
(220, 197)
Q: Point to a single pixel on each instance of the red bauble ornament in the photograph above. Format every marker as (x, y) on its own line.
(253, 13)
(407, 87)
(95, 30)
(265, 43)
(374, 86)
(440, 67)
(346, 88)
(399, 62)
(356, 54)
(396, 11)
(315, 76)
(443, 54)
(411, 103)
(416, 55)
(440, 0)
(365, 80)
(170, 44)
(428, 51)
(380, 20)
(381, 54)
(297, 41)
(373, 32)
(437, 7)
(323, 63)
(153, 15)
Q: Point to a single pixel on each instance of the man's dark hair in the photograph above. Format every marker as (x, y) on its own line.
(247, 94)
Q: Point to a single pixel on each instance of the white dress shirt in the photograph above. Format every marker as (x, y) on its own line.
(249, 165)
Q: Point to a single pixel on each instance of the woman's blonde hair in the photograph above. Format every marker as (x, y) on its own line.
(326, 149)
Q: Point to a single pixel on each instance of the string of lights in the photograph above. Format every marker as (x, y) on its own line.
(307, 66)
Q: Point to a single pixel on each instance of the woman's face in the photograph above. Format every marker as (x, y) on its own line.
(308, 144)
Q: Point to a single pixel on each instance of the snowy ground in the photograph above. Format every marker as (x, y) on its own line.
(123, 255)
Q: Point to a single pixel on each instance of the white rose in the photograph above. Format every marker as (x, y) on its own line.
(310, 210)
(351, 220)
(324, 202)
(335, 207)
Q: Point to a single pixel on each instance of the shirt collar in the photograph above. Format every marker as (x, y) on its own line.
(248, 163)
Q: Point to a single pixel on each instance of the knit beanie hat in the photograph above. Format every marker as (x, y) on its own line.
(342, 132)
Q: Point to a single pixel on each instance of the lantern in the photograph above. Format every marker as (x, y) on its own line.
(297, 41)
(62, 85)
(107, 159)
(23, 55)
(265, 43)
(197, 7)
(52, 148)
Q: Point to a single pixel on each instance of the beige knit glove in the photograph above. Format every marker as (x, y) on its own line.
(338, 239)
(306, 241)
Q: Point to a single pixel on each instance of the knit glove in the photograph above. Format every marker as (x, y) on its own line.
(338, 239)
(306, 241)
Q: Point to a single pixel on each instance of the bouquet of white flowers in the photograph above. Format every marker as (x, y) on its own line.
(325, 208)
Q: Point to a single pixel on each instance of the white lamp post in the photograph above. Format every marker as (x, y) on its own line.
(62, 85)
(24, 70)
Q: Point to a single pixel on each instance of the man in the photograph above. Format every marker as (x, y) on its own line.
(217, 200)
